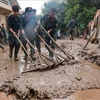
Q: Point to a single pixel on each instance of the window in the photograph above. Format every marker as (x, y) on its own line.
(4, 1)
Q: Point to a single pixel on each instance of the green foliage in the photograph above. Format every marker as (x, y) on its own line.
(82, 10)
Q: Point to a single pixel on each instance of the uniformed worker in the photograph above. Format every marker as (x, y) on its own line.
(72, 25)
(14, 30)
(50, 25)
(28, 30)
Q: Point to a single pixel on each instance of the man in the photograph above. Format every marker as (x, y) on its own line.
(72, 25)
(1, 36)
(4, 32)
(13, 31)
(50, 25)
(28, 30)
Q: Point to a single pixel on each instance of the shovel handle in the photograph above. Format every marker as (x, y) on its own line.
(24, 48)
(55, 42)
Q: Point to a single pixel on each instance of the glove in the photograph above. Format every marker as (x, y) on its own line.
(24, 35)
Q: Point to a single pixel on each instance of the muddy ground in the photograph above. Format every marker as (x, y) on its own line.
(81, 73)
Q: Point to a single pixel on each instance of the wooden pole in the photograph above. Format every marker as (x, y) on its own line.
(51, 48)
(56, 43)
(89, 39)
(34, 49)
(23, 48)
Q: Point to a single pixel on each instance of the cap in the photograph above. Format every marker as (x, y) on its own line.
(73, 17)
(53, 10)
(28, 9)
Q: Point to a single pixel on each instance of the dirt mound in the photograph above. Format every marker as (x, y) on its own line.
(91, 54)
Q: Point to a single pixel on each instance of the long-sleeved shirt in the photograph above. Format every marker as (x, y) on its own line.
(14, 23)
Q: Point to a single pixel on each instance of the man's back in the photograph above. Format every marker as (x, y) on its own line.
(73, 24)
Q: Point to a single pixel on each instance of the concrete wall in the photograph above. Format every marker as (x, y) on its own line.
(3, 20)
(6, 10)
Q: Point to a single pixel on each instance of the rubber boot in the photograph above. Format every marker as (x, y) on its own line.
(15, 55)
(2, 47)
(50, 55)
(10, 53)
(25, 54)
(32, 54)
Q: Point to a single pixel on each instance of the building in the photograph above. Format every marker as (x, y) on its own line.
(6, 10)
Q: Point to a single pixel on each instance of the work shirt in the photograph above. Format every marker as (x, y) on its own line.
(72, 24)
(28, 24)
(49, 23)
(14, 23)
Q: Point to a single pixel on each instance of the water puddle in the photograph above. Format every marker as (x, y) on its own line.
(4, 97)
(93, 94)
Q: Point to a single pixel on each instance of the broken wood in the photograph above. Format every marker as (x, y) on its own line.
(90, 39)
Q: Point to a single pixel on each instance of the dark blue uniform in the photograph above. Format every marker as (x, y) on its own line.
(28, 24)
(14, 23)
(72, 26)
(50, 24)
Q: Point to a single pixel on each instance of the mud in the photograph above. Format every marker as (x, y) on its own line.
(3, 96)
(93, 94)
(90, 54)
(59, 82)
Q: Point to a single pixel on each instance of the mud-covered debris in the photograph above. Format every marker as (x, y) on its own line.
(73, 61)
(78, 78)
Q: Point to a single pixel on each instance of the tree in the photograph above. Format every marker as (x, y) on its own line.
(82, 10)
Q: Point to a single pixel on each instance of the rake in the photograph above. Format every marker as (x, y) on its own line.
(67, 54)
(24, 48)
(41, 60)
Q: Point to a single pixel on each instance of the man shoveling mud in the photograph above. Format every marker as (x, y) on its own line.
(14, 30)
(28, 30)
(50, 24)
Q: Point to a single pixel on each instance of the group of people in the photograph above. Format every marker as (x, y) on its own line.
(93, 29)
(28, 26)
(72, 30)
